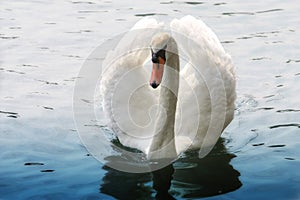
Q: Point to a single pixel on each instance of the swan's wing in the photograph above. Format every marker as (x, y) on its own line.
(211, 83)
(127, 99)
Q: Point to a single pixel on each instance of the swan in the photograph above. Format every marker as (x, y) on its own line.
(180, 108)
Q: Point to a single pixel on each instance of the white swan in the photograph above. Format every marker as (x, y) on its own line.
(188, 110)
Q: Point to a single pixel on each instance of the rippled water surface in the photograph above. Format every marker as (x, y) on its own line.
(43, 46)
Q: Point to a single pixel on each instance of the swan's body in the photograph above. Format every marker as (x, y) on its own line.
(190, 108)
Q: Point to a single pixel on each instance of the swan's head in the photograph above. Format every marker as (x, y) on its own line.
(159, 44)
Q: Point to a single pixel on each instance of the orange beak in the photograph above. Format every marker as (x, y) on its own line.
(157, 73)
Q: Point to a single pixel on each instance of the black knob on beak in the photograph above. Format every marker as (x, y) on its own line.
(154, 58)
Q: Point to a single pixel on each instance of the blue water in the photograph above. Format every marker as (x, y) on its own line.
(43, 46)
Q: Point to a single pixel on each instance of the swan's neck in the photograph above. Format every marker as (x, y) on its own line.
(163, 143)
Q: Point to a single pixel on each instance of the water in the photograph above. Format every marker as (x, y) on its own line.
(44, 44)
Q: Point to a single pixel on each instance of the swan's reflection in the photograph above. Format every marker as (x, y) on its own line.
(192, 178)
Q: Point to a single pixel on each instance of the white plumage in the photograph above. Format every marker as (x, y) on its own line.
(206, 93)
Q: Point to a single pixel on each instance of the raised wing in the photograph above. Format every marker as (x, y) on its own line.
(210, 77)
(128, 101)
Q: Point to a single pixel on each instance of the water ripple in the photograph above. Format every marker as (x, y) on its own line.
(194, 2)
(291, 60)
(271, 10)
(82, 2)
(258, 144)
(288, 110)
(237, 13)
(47, 82)
(277, 145)
(167, 2)
(47, 170)
(48, 108)
(285, 125)
(33, 163)
(148, 14)
(10, 114)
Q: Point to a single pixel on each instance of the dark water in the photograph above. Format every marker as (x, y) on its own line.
(43, 46)
(189, 177)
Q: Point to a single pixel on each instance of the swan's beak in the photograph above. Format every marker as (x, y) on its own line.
(157, 73)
